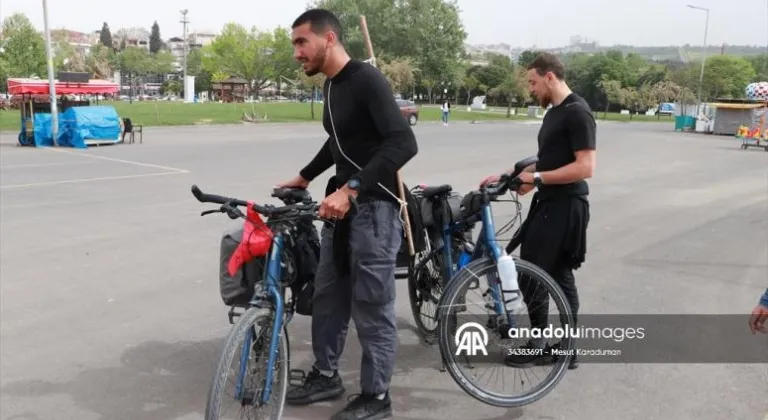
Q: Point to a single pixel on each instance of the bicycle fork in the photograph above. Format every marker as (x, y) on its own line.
(273, 293)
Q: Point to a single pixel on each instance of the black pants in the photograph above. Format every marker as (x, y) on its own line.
(554, 238)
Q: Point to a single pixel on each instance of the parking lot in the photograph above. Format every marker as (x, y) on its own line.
(109, 283)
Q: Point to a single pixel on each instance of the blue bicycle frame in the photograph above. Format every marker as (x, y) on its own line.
(273, 273)
(486, 245)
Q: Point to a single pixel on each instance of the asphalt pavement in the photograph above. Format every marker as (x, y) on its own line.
(109, 289)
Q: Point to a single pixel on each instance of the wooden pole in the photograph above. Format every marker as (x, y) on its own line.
(400, 188)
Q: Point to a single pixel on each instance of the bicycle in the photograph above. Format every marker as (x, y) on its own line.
(267, 311)
(462, 272)
(447, 218)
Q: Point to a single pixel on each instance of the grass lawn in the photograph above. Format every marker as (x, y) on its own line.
(179, 113)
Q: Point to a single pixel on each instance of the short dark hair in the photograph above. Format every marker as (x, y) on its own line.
(548, 62)
(320, 20)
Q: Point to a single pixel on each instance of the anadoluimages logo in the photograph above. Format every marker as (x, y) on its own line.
(471, 338)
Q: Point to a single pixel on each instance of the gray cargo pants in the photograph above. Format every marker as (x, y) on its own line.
(367, 295)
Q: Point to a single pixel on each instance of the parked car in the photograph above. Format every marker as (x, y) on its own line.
(409, 110)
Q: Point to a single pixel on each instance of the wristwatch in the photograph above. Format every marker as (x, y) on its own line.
(353, 184)
(537, 179)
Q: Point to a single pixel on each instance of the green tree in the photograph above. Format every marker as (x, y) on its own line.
(612, 91)
(23, 49)
(241, 53)
(283, 63)
(65, 57)
(470, 84)
(194, 62)
(760, 66)
(105, 37)
(155, 41)
(490, 76)
(726, 76)
(101, 62)
(526, 57)
(429, 32)
(203, 81)
(400, 72)
(171, 87)
(312, 84)
(508, 91)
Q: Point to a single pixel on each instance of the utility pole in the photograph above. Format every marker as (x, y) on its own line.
(51, 75)
(703, 54)
(184, 21)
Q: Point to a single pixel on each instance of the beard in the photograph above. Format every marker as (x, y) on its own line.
(544, 100)
(315, 64)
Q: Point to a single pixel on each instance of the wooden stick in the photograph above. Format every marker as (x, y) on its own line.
(400, 187)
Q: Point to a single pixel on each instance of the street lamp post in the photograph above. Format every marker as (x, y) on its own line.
(184, 21)
(703, 55)
(51, 75)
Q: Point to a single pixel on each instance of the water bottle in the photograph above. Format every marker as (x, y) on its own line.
(509, 288)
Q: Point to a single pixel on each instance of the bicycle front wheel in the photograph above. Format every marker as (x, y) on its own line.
(454, 311)
(223, 402)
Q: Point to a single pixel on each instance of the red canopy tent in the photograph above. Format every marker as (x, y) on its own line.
(41, 87)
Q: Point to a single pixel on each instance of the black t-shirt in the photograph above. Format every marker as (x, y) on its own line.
(371, 132)
(566, 129)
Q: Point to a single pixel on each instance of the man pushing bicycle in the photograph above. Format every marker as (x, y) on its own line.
(369, 141)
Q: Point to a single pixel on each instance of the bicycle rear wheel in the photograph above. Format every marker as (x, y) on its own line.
(453, 311)
(425, 287)
(257, 323)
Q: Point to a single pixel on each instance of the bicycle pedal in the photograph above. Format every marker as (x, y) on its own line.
(296, 377)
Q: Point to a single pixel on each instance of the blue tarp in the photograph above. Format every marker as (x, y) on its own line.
(78, 124)
(42, 130)
(88, 123)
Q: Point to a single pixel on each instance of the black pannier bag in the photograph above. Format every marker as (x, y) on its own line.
(237, 290)
(299, 264)
(417, 229)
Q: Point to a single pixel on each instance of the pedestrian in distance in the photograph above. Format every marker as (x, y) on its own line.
(368, 142)
(553, 236)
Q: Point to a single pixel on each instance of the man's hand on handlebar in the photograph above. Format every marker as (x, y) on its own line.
(522, 187)
(490, 180)
(527, 183)
(296, 182)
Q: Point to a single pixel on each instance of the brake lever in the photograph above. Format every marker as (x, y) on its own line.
(232, 212)
(207, 212)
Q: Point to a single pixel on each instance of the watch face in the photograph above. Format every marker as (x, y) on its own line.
(353, 183)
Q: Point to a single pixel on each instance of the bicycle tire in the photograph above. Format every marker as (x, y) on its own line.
(234, 342)
(445, 336)
(429, 336)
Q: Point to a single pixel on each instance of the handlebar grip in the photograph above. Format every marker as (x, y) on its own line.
(213, 198)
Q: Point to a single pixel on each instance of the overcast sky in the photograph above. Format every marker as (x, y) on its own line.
(548, 23)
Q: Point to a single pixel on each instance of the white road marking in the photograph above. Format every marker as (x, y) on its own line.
(82, 180)
(40, 165)
(127, 162)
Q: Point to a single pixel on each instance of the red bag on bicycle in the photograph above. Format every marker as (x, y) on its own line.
(255, 242)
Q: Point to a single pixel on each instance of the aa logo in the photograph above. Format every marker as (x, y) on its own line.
(471, 338)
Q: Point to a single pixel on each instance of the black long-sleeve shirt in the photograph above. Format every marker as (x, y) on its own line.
(360, 107)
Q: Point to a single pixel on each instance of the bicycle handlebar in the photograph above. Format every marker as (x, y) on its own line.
(267, 210)
(230, 204)
(506, 182)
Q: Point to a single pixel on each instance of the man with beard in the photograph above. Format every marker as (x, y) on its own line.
(553, 236)
(369, 141)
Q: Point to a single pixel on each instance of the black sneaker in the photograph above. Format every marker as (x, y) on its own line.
(316, 387)
(528, 355)
(366, 407)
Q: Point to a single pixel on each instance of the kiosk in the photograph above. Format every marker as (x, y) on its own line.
(35, 109)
